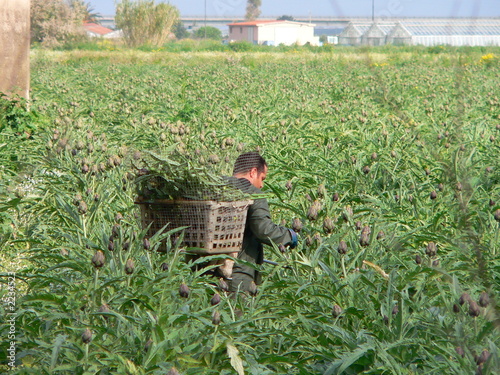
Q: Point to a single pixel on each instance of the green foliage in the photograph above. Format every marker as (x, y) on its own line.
(144, 22)
(362, 135)
(15, 117)
(241, 46)
(86, 10)
(56, 21)
(286, 18)
(208, 32)
(179, 30)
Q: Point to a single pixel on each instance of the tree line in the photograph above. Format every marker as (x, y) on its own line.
(55, 22)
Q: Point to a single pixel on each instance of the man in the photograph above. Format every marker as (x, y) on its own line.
(249, 173)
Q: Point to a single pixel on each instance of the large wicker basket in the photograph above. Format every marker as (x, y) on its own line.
(212, 227)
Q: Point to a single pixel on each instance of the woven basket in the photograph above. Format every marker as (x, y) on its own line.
(212, 227)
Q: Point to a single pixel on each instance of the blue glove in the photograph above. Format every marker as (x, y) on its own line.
(295, 239)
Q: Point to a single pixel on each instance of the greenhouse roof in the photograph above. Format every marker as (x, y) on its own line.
(438, 27)
(452, 29)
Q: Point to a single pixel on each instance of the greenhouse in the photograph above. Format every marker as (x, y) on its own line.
(463, 32)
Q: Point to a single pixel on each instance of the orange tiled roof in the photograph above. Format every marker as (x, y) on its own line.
(96, 29)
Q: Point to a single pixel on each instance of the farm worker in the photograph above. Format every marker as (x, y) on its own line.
(249, 173)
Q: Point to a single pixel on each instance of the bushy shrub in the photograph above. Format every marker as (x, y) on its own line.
(54, 22)
(241, 46)
(15, 117)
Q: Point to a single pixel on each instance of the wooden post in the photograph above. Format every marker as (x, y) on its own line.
(15, 47)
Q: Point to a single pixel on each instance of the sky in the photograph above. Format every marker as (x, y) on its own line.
(328, 8)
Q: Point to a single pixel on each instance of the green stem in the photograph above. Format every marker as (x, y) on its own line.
(342, 262)
(86, 357)
(84, 227)
(96, 278)
(214, 350)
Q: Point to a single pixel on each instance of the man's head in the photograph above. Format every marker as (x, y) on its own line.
(251, 166)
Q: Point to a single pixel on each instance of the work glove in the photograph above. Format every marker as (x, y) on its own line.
(295, 239)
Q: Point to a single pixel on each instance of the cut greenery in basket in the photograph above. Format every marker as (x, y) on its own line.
(176, 177)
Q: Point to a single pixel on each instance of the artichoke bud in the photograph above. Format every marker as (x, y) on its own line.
(215, 318)
(173, 371)
(215, 299)
(418, 259)
(342, 248)
(104, 308)
(364, 238)
(497, 215)
(431, 249)
(312, 213)
(82, 207)
(297, 225)
(223, 285)
(115, 231)
(98, 259)
(321, 191)
(129, 266)
(464, 298)
(348, 213)
(337, 311)
(328, 225)
(87, 336)
(184, 291)
(474, 309)
(485, 354)
(484, 299)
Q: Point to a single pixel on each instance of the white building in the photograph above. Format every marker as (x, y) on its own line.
(273, 32)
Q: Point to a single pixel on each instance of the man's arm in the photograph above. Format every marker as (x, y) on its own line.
(261, 225)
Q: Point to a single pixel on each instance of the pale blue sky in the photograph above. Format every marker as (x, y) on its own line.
(329, 8)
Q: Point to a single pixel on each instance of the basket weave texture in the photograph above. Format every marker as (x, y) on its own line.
(211, 227)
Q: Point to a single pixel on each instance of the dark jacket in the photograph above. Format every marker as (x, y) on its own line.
(259, 228)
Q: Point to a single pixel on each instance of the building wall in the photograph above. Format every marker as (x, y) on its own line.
(239, 33)
(287, 34)
(14, 47)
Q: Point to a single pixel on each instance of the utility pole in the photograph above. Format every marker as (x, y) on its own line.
(205, 19)
(373, 10)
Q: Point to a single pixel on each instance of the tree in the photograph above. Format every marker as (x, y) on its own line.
(179, 30)
(253, 9)
(208, 32)
(286, 18)
(85, 8)
(54, 22)
(142, 22)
